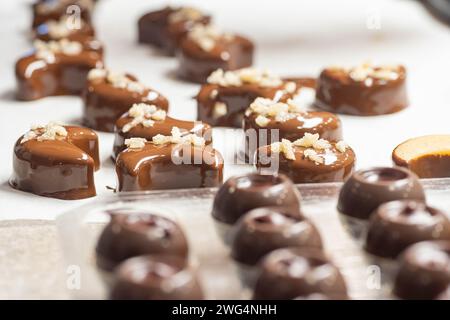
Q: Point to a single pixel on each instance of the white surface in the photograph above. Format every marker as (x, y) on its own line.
(293, 38)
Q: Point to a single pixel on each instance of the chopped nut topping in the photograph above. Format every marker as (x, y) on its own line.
(185, 14)
(144, 114)
(314, 147)
(290, 87)
(262, 121)
(135, 144)
(47, 50)
(51, 131)
(206, 36)
(117, 80)
(367, 72)
(177, 137)
(279, 111)
(341, 146)
(220, 109)
(239, 77)
(312, 140)
(285, 147)
(312, 155)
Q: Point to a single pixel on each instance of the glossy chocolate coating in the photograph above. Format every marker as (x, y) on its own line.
(42, 32)
(104, 103)
(240, 194)
(397, 224)
(155, 28)
(62, 169)
(37, 78)
(156, 277)
(326, 124)
(160, 167)
(263, 230)
(136, 234)
(195, 64)
(336, 168)
(236, 99)
(292, 272)
(366, 189)
(45, 10)
(163, 127)
(338, 92)
(424, 271)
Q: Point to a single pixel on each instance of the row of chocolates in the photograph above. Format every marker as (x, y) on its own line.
(278, 251)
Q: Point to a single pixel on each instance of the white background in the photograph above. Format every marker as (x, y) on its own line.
(292, 38)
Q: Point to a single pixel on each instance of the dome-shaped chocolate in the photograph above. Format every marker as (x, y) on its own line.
(155, 277)
(366, 189)
(398, 224)
(424, 271)
(263, 230)
(241, 194)
(293, 272)
(135, 234)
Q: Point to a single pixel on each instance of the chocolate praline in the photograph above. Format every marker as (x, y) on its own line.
(61, 166)
(227, 52)
(56, 68)
(335, 165)
(424, 271)
(263, 230)
(168, 166)
(366, 189)
(133, 234)
(362, 91)
(163, 127)
(155, 277)
(240, 194)
(397, 224)
(166, 28)
(293, 272)
(44, 10)
(108, 95)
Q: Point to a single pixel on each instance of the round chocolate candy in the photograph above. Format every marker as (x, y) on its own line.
(293, 272)
(424, 271)
(155, 277)
(263, 230)
(366, 189)
(135, 234)
(397, 224)
(365, 90)
(241, 194)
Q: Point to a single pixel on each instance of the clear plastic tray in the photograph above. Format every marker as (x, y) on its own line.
(80, 228)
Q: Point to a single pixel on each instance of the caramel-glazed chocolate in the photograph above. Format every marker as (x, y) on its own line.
(53, 10)
(62, 168)
(336, 165)
(168, 166)
(104, 103)
(362, 91)
(195, 64)
(163, 127)
(166, 28)
(63, 75)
